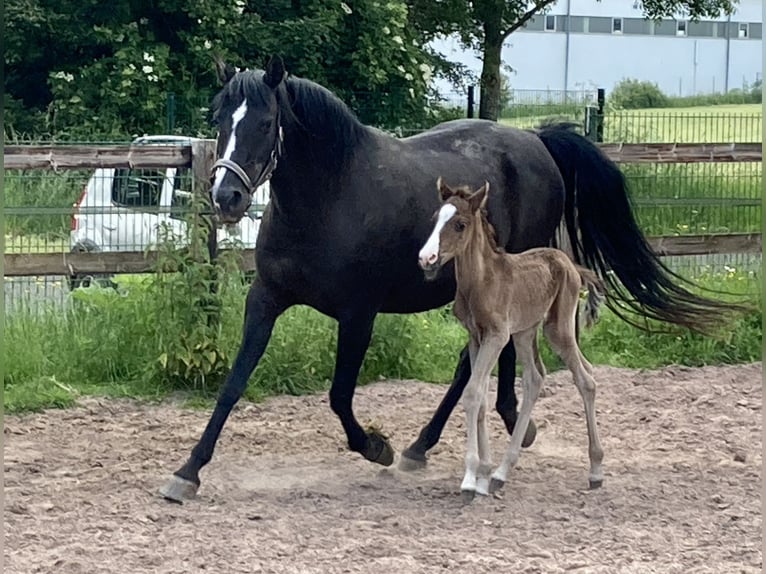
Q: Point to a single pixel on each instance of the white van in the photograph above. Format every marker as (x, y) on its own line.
(118, 209)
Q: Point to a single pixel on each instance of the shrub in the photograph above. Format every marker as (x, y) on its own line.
(630, 94)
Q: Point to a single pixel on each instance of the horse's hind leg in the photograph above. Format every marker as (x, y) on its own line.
(507, 403)
(562, 340)
(414, 456)
(532, 381)
(261, 311)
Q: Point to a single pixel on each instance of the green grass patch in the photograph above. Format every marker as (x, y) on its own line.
(110, 343)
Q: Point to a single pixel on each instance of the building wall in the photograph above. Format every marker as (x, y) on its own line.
(695, 63)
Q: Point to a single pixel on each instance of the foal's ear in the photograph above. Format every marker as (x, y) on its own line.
(445, 192)
(224, 71)
(478, 199)
(275, 71)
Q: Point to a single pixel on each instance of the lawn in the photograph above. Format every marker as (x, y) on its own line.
(698, 124)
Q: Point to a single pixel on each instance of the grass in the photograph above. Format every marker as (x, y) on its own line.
(109, 344)
(697, 124)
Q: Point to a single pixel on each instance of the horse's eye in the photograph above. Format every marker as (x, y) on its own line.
(459, 226)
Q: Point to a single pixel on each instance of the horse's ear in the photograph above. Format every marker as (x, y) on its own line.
(224, 71)
(478, 199)
(445, 192)
(275, 71)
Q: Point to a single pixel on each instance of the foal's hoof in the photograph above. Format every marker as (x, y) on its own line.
(495, 484)
(530, 435)
(178, 489)
(411, 461)
(378, 448)
(594, 483)
(467, 496)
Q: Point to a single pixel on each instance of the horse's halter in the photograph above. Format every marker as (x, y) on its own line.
(268, 169)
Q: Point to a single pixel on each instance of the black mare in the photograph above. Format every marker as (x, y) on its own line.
(351, 206)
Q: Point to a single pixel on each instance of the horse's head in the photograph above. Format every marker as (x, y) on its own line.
(249, 142)
(459, 212)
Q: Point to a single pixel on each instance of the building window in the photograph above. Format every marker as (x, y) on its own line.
(616, 25)
(681, 28)
(550, 23)
(744, 30)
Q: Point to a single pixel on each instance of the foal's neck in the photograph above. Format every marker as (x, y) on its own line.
(474, 264)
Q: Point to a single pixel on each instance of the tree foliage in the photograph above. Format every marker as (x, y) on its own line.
(483, 26)
(87, 67)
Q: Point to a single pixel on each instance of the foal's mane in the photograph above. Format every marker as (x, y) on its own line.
(464, 192)
(319, 113)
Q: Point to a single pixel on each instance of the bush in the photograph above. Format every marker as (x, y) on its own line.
(630, 94)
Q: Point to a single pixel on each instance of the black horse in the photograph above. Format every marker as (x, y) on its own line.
(351, 206)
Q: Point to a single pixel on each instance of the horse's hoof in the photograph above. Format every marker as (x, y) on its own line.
(468, 496)
(594, 483)
(178, 489)
(530, 435)
(379, 450)
(482, 486)
(495, 484)
(411, 461)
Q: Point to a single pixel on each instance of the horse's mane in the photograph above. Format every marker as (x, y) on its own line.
(313, 108)
(464, 192)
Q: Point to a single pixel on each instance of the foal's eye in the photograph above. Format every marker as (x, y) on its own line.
(459, 226)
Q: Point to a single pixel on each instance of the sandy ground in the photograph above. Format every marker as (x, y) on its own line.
(682, 490)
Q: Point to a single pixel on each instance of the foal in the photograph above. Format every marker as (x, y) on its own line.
(502, 295)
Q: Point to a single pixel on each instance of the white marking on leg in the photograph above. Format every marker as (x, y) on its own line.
(430, 251)
(231, 145)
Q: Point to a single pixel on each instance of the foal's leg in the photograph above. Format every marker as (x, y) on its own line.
(473, 398)
(354, 335)
(561, 336)
(485, 455)
(532, 380)
(261, 311)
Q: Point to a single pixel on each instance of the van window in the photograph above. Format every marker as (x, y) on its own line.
(182, 193)
(137, 188)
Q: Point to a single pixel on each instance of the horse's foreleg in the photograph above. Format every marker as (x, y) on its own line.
(414, 456)
(353, 339)
(507, 403)
(261, 311)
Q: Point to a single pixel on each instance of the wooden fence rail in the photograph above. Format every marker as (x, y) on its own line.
(199, 156)
(57, 157)
(127, 262)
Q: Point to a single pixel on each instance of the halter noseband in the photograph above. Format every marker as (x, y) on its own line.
(267, 170)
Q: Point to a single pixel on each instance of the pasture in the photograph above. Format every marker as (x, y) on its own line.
(682, 490)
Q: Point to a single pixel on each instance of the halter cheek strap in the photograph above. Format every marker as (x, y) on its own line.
(268, 168)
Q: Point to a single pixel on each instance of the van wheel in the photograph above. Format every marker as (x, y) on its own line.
(78, 280)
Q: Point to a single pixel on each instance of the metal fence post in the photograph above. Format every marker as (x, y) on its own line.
(170, 112)
(601, 100)
(471, 101)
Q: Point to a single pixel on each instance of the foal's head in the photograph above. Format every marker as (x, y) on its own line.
(459, 212)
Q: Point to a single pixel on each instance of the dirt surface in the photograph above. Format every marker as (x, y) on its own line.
(682, 490)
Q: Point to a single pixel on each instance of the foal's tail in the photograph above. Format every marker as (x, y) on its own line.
(604, 235)
(596, 293)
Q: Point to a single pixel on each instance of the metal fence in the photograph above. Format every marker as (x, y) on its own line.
(123, 206)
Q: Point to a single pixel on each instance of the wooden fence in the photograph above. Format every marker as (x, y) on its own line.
(200, 156)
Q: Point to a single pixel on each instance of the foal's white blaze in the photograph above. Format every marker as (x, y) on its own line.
(430, 251)
(231, 145)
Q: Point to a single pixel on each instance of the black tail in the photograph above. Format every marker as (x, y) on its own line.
(604, 236)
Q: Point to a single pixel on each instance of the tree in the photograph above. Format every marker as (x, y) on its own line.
(87, 68)
(484, 25)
